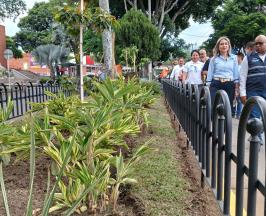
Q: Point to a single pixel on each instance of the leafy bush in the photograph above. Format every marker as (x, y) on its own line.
(84, 141)
(68, 83)
(44, 80)
(151, 85)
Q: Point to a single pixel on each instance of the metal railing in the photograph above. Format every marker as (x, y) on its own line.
(209, 133)
(23, 94)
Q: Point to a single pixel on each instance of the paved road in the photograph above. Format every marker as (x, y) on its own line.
(261, 169)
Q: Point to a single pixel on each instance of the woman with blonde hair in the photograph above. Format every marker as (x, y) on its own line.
(223, 71)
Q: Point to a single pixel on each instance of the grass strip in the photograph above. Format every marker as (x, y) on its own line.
(160, 185)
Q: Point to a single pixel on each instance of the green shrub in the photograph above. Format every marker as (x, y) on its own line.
(84, 141)
(68, 83)
(153, 85)
(44, 80)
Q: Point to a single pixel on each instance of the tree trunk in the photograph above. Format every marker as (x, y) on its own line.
(107, 40)
(52, 72)
(136, 4)
(125, 4)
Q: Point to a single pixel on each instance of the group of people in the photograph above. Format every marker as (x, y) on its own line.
(191, 71)
(239, 76)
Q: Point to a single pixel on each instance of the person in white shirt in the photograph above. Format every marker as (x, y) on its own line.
(177, 70)
(192, 70)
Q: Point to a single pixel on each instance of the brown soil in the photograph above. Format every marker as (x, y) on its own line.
(202, 201)
(16, 176)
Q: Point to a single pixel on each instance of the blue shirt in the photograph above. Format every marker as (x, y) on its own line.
(220, 67)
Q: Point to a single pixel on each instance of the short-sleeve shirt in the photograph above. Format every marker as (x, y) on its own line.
(177, 71)
(193, 70)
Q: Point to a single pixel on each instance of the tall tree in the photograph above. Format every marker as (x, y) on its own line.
(70, 17)
(240, 21)
(135, 29)
(107, 39)
(170, 15)
(11, 9)
(35, 28)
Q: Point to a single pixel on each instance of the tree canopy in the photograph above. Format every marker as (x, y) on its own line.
(11, 44)
(92, 43)
(70, 18)
(173, 47)
(135, 29)
(169, 15)
(11, 9)
(239, 20)
(36, 27)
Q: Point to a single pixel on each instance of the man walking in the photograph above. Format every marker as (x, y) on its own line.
(253, 74)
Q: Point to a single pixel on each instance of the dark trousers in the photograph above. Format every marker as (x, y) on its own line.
(228, 87)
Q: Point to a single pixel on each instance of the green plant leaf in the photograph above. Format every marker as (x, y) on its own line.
(3, 189)
(32, 169)
(66, 159)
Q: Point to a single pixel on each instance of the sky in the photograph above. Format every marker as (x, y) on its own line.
(11, 26)
(196, 34)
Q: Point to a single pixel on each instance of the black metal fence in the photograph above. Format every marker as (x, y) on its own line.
(209, 132)
(22, 94)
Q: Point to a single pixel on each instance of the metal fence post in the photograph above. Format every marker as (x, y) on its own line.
(254, 127)
(202, 123)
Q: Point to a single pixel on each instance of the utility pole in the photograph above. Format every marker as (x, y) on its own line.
(8, 54)
(150, 64)
(81, 52)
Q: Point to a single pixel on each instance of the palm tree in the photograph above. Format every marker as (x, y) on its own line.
(51, 55)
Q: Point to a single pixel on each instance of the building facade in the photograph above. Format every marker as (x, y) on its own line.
(26, 63)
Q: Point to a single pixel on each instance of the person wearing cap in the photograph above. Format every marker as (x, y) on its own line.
(177, 70)
(223, 71)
